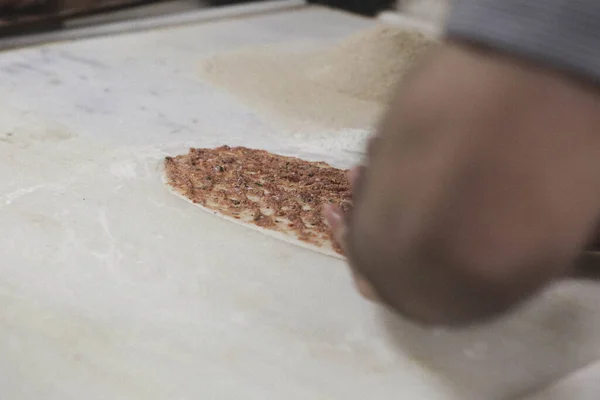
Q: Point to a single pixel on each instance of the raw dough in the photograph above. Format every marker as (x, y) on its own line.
(276, 195)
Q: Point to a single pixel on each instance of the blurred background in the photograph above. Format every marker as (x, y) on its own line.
(23, 17)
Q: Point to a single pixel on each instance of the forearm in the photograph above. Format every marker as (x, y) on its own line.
(562, 34)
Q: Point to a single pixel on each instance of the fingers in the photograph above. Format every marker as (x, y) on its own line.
(333, 215)
(364, 287)
(355, 174)
(335, 219)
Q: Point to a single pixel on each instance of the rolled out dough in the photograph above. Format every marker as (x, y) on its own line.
(325, 249)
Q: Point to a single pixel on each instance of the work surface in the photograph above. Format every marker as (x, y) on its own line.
(112, 288)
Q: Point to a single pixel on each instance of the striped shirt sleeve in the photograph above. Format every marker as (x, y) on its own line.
(564, 34)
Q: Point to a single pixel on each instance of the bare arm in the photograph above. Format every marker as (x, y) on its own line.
(483, 187)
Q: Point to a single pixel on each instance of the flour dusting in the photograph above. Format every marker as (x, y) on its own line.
(349, 140)
(346, 86)
(369, 64)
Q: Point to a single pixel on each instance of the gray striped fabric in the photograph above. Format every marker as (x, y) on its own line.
(562, 33)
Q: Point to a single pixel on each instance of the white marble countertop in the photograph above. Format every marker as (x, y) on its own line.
(111, 288)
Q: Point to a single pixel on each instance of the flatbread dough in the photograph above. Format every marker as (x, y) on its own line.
(273, 191)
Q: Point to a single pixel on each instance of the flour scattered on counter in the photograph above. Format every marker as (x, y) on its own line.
(345, 86)
(274, 83)
(369, 64)
(349, 140)
(124, 169)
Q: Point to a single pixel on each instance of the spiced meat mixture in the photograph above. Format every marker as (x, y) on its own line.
(281, 193)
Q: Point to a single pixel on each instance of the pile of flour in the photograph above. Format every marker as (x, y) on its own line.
(345, 86)
(369, 65)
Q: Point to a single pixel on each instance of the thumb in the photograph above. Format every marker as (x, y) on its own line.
(333, 216)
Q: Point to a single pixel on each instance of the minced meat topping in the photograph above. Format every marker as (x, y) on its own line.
(281, 193)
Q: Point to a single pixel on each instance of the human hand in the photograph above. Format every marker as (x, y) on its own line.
(482, 188)
(337, 222)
